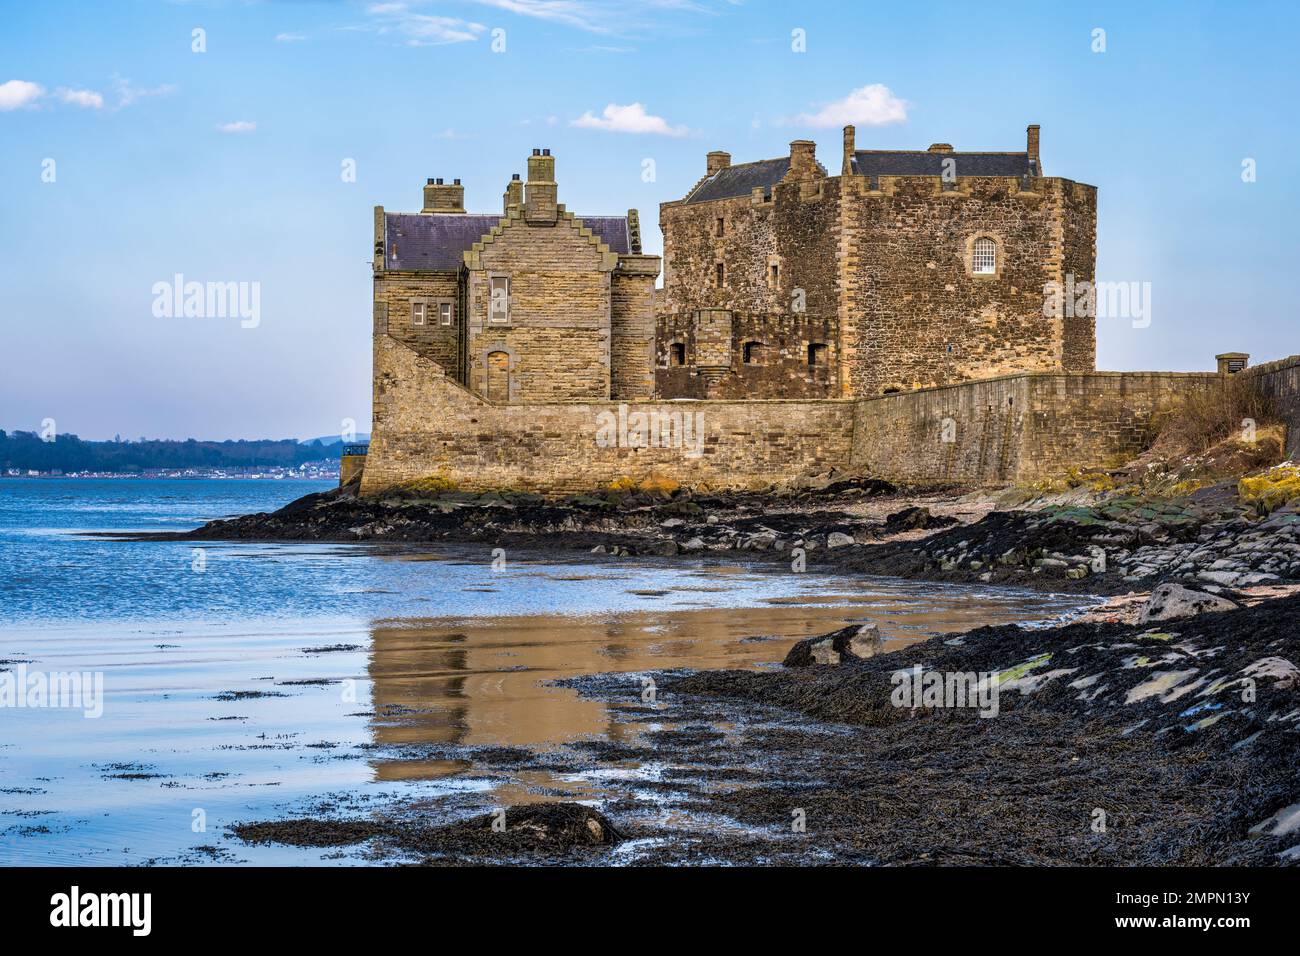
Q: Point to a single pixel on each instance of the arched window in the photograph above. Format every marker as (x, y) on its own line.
(753, 353)
(984, 257)
(677, 353)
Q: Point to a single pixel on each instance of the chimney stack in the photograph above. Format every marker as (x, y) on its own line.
(803, 159)
(540, 195)
(514, 195)
(718, 159)
(850, 147)
(439, 197)
(1032, 147)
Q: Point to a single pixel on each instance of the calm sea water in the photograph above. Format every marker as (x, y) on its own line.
(246, 680)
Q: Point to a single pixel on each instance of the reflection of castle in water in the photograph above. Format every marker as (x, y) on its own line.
(485, 682)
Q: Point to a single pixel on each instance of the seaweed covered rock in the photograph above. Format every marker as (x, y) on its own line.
(858, 641)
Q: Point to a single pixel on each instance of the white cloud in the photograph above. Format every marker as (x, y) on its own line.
(15, 94)
(238, 126)
(628, 119)
(873, 105)
(422, 29)
(87, 98)
(290, 37)
(128, 94)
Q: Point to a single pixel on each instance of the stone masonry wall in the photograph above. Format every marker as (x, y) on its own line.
(1281, 380)
(394, 293)
(921, 317)
(779, 281)
(1015, 428)
(557, 339)
(425, 425)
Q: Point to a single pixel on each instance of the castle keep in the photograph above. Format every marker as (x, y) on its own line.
(889, 320)
(906, 270)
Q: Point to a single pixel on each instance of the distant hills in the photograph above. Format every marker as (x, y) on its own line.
(67, 453)
(362, 438)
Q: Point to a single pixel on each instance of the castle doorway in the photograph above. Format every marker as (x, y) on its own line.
(498, 377)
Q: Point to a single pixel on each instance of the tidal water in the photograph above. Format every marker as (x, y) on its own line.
(244, 681)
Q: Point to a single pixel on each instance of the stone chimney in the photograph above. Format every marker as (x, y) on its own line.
(513, 197)
(718, 159)
(850, 148)
(940, 148)
(803, 159)
(440, 197)
(1031, 146)
(540, 194)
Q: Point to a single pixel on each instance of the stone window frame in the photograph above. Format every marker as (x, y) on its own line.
(450, 306)
(719, 227)
(999, 255)
(496, 323)
(431, 309)
(754, 347)
(774, 273)
(719, 275)
(675, 348)
(820, 350)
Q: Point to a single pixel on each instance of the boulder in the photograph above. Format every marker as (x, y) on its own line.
(838, 539)
(855, 641)
(1173, 601)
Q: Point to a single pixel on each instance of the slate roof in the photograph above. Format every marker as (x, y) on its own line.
(882, 162)
(740, 179)
(437, 241)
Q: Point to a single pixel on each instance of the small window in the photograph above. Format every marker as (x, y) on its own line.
(444, 313)
(753, 353)
(984, 257)
(417, 313)
(720, 227)
(817, 354)
(721, 277)
(774, 276)
(677, 353)
(499, 299)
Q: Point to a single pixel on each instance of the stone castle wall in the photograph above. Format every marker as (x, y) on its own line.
(1281, 380)
(426, 425)
(1015, 428)
(1011, 429)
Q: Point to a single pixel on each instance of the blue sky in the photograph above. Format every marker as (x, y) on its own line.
(226, 165)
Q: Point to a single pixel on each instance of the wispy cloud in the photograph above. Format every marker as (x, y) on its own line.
(628, 119)
(87, 98)
(420, 29)
(128, 94)
(238, 126)
(15, 94)
(290, 37)
(873, 105)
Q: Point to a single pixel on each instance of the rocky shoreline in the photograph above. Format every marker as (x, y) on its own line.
(1153, 731)
(1100, 544)
(1100, 743)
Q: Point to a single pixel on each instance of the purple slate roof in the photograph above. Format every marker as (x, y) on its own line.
(880, 162)
(437, 241)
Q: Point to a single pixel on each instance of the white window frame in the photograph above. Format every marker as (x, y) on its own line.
(984, 256)
(445, 313)
(496, 316)
(419, 310)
